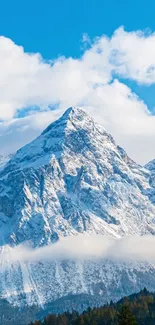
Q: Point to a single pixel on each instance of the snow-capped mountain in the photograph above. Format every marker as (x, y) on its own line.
(73, 179)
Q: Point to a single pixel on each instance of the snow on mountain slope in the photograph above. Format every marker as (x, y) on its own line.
(4, 160)
(72, 179)
(40, 283)
(151, 190)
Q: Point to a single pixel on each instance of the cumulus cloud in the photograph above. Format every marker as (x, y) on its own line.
(84, 247)
(92, 81)
(134, 55)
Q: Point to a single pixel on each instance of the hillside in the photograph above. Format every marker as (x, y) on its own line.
(141, 305)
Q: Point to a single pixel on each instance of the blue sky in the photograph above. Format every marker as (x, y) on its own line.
(119, 61)
(55, 28)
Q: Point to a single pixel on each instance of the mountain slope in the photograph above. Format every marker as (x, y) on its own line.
(142, 306)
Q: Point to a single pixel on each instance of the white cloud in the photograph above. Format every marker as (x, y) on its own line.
(126, 117)
(27, 80)
(134, 55)
(83, 247)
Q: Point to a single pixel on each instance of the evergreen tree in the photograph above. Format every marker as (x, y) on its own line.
(125, 317)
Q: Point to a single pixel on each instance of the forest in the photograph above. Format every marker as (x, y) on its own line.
(137, 309)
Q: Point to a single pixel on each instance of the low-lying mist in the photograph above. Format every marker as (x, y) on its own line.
(84, 247)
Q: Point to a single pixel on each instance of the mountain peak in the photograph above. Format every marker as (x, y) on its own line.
(74, 130)
(73, 115)
(73, 175)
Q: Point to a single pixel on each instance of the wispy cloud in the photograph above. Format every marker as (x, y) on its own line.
(84, 247)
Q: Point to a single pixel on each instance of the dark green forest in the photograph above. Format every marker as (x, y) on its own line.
(137, 309)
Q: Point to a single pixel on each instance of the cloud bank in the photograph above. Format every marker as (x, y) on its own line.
(84, 247)
(30, 86)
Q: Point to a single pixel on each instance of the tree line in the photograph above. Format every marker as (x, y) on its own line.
(137, 309)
